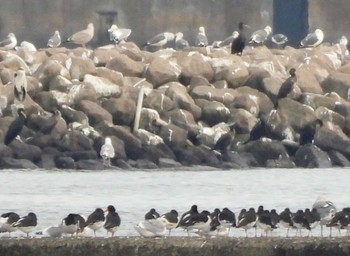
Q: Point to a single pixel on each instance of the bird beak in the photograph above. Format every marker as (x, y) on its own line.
(106, 210)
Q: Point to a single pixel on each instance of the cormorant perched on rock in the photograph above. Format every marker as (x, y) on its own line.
(15, 127)
(238, 43)
(287, 85)
(20, 85)
(307, 134)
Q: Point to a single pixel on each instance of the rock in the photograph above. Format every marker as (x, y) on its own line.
(49, 70)
(25, 151)
(47, 162)
(102, 86)
(337, 82)
(338, 159)
(241, 159)
(148, 138)
(79, 67)
(310, 156)
(246, 102)
(5, 151)
(265, 150)
(95, 112)
(89, 165)
(256, 78)
(145, 164)
(102, 56)
(213, 112)
(244, 121)
(210, 135)
(126, 66)
(82, 155)
(307, 82)
(65, 162)
(80, 92)
(327, 115)
(168, 163)
(71, 115)
(173, 135)
(280, 163)
(161, 71)
(197, 80)
(11, 163)
(196, 155)
(225, 96)
(185, 120)
(60, 83)
(316, 100)
(115, 77)
(122, 164)
(122, 109)
(47, 100)
(328, 139)
(148, 120)
(264, 102)
(158, 101)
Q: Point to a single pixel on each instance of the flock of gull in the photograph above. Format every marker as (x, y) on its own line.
(205, 224)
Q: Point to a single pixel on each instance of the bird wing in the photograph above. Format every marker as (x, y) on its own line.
(5, 42)
(309, 40)
(158, 40)
(201, 40)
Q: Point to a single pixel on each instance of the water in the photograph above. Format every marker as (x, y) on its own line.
(54, 194)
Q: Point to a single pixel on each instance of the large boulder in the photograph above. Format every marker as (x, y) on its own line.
(161, 71)
(158, 101)
(127, 66)
(122, 109)
(79, 67)
(49, 70)
(310, 156)
(95, 112)
(213, 112)
(337, 82)
(25, 151)
(103, 87)
(11, 163)
(173, 135)
(332, 139)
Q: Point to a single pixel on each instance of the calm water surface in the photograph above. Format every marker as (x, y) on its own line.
(54, 194)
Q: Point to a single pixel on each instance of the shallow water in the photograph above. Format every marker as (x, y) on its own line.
(54, 194)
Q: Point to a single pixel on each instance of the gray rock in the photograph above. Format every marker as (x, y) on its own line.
(337, 82)
(310, 156)
(95, 112)
(25, 151)
(338, 159)
(168, 163)
(122, 109)
(82, 155)
(145, 164)
(127, 66)
(79, 67)
(65, 162)
(89, 164)
(11, 163)
(161, 71)
(213, 112)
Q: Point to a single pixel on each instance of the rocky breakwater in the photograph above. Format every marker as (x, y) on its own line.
(201, 106)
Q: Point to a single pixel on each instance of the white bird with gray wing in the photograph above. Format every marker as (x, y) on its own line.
(54, 40)
(107, 152)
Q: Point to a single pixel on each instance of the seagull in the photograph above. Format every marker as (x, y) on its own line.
(112, 220)
(201, 39)
(326, 210)
(118, 34)
(26, 46)
(20, 85)
(15, 127)
(170, 220)
(180, 43)
(95, 221)
(10, 42)
(151, 228)
(27, 223)
(107, 152)
(160, 40)
(313, 39)
(279, 40)
(228, 40)
(82, 37)
(54, 40)
(260, 36)
(55, 231)
(238, 43)
(6, 221)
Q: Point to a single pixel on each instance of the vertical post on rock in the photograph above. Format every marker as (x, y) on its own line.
(138, 109)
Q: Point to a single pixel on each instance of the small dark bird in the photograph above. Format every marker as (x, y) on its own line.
(15, 127)
(286, 219)
(265, 222)
(313, 218)
(95, 220)
(185, 218)
(215, 219)
(248, 220)
(152, 214)
(27, 223)
(287, 85)
(300, 222)
(238, 43)
(7, 219)
(227, 218)
(170, 220)
(112, 220)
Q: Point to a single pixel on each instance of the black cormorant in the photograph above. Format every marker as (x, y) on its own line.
(238, 43)
(287, 85)
(15, 127)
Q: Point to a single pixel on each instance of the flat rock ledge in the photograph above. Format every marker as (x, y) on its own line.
(179, 246)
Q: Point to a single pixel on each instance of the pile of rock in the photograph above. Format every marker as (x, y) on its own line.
(200, 107)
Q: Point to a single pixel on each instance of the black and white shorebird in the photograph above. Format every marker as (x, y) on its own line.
(180, 42)
(247, 220)
(95, 220)
(7, 220)
(300, 222)
(82, 37)
(260, 36)
(313, 218)
(326, 209)
(227, 218)
(152, 214)
(169, 220)
(341, 220)
(107, 152)
(73, 224)
(201, 38)
(55, 40)
(286, 220)
(118, 35)
(184, 220)
(10, 42)
(313, 39)
(238, 43)
(27, 223)
(20, 85)
(15, 127)
(112, 220)
(200, 222)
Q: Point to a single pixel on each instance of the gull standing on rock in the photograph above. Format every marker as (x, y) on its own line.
(260, 36)
(26, 46)
(313, 39)
(10, 42)
(54, 40)
(107, 152)
(180, 43)
(201, 39)
(160, 40)
(20, 85)
(118, 34)
(83, 37)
